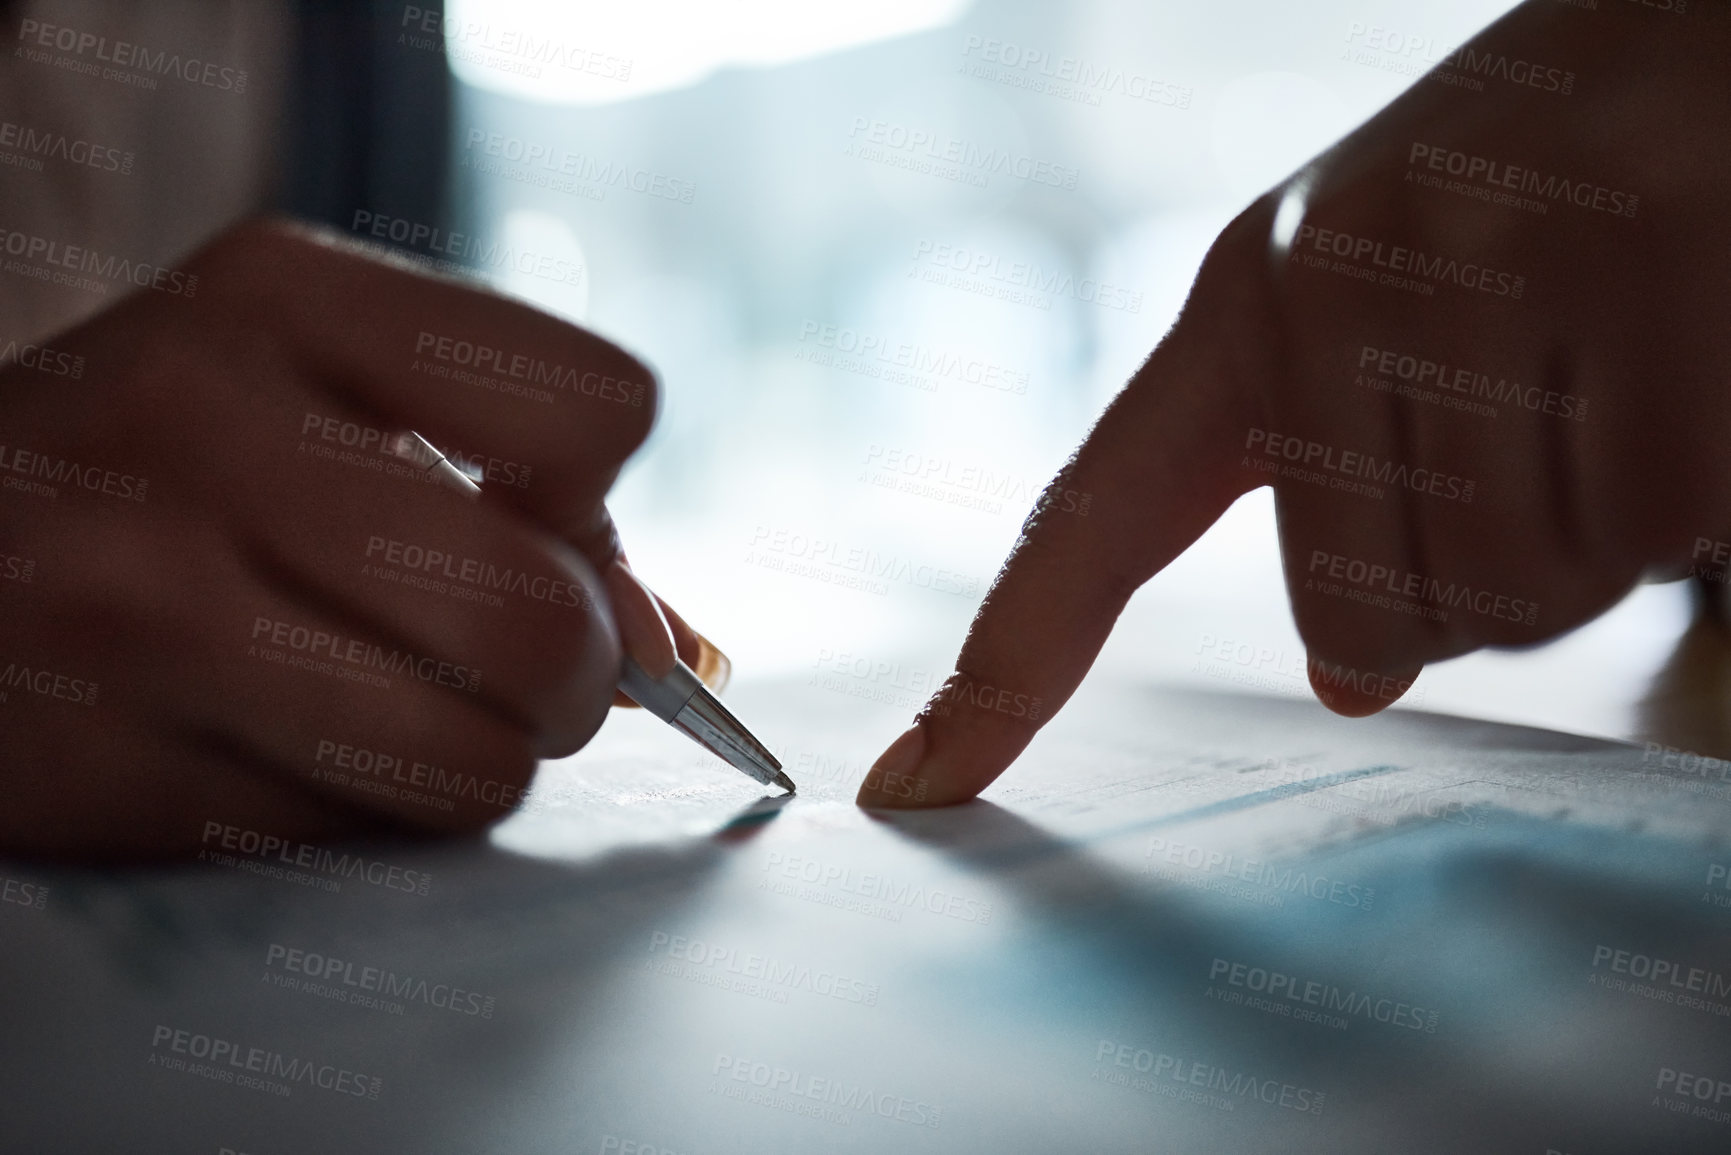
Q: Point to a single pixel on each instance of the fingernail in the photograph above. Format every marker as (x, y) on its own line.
(891, 778)
(643, 631)
(713, 667)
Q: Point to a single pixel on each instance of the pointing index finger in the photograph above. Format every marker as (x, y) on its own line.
(1156, 471)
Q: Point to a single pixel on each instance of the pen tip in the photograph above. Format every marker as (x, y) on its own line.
(786, 783)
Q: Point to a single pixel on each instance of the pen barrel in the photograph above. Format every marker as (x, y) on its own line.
(412, 447)
(664, 697)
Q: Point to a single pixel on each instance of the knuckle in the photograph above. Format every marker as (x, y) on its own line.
(567, 653)
(504, 763)
(257, 261)
(631, 390)
(245, 243)
(637, 419)
(574, 729)
(145, 582)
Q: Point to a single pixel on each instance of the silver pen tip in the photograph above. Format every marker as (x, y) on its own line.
(714, 726)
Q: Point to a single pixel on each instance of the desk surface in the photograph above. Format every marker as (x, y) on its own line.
(1186, 922)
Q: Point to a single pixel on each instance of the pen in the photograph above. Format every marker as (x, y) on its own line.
(680, 699)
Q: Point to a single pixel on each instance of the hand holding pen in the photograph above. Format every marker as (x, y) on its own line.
(655, 674)
(223, 627)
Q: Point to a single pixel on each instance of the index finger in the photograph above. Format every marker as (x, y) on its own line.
(476, 373)
(1156, 471)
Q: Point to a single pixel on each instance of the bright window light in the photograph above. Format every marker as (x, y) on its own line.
(604, 51)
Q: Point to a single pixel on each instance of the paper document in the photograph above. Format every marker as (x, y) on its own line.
(1184, 922)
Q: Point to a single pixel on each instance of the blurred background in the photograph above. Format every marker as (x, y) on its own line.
(891, 258)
